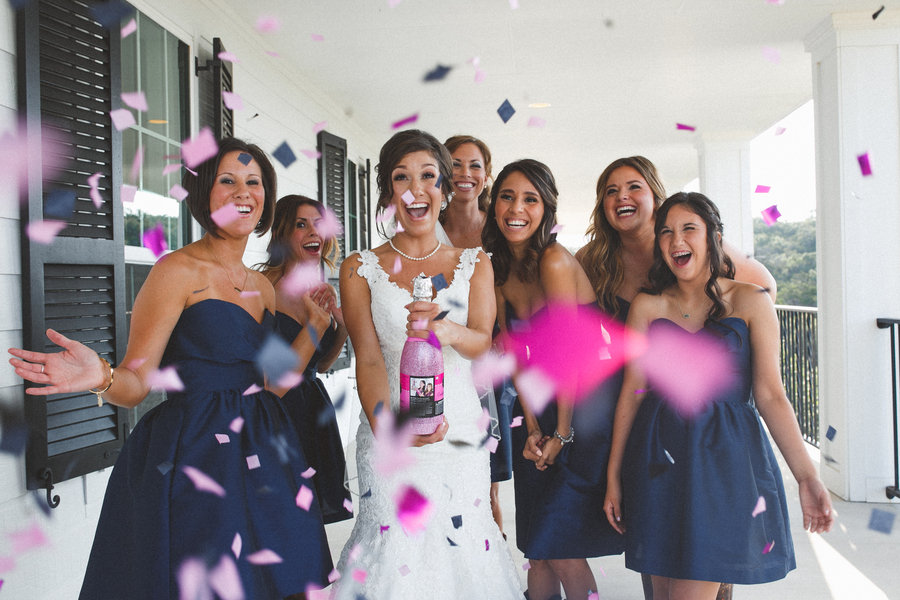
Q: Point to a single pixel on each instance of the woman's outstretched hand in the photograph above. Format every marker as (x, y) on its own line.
(75, 369)
(815, 502)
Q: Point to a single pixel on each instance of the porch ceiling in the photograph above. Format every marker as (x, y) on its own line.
(618, 75)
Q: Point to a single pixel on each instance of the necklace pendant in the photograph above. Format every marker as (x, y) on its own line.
(238, 290)
(685, 316)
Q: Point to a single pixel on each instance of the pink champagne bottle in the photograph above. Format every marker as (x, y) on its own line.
(422, 374)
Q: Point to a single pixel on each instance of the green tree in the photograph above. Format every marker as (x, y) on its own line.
(788, 250)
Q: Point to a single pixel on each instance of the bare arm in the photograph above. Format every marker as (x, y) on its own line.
(750, 270)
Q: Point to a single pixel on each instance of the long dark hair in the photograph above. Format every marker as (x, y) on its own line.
(502, 258)
(283, 228)
(720, 265)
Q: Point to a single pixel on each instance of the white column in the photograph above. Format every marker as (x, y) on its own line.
(725, 179)
(856, 88)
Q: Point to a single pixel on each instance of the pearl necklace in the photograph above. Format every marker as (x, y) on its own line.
(407, 256)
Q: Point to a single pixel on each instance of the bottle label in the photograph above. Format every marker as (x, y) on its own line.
(422, 396)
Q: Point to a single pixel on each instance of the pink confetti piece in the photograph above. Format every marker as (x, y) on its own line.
(775, 2)
(165, 379)
(769, 547)
(348, 505)
(526, 565)
(28, 539)
(225, 215)
(223, 438)
(540, 389)
(760, 506)
(311, 154)
(314, 592)
(359, 575)
(7, 563)
(304, 498)
(492, 368)
(236, 545)
(593, 596)
(556, 228)
(413, 509)
(334, 576)
(477, 502)
(253, 389)
(487, 545)
(773, 55)
(199, 148)
(684, 127)
(479, 75)
(178, 192)
(770, 215)
(383, 528)
(319, 126)
(264, 557)
(762, 189)
(289, 380)
(203, 482)
(267, 24)
(536, 122)
(704, 367)
(779, 130)
(317, 37)
(387, 214)
(433, 340)
(405, 121)
(237, 424)
(308, 473)
(136, 100)
(225, 580)
(94, 182)
(44, 232)
(171, 168)
(232, 100)
(301, 279)
(330, 226)
(250, 294)
(516, 422)
(135, 363)
(129, 28)
(122, 118)
(136, 163)
(391, 445)
(155, 240)
(865, 167)
(514, 4)
(404, 570)
(228, 57)
(253, 461)
(272, 54)
(398, 266)
(192, 579)
(492, 444)
(408, 197)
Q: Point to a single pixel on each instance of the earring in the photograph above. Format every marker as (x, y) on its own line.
(444, 203)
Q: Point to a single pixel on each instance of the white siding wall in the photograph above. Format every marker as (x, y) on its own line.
(288, 108)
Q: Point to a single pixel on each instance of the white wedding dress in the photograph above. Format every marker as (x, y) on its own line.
(460, 553)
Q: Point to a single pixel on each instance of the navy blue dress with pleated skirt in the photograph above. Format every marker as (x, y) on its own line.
(310, 408)
(691, 516)
(156, 522)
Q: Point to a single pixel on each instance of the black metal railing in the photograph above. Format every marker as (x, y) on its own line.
(800, 365)
(893, 491)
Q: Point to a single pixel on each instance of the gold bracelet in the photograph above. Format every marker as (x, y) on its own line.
(112, 374)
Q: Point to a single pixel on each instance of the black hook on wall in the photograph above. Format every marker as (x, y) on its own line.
(47, 475)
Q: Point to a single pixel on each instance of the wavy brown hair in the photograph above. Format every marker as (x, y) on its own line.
(452, 143)
(279, 249)
(601, 257)
(502, 258)
(720, 265)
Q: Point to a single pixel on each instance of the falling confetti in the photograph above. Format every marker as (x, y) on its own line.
(253, 461)
(387, 214)
(197, 149)
(317, 37)
(439, 282)
(526, 565)
(264, 557)
(406, 121)
(44, 232)
(830, 433)
(136, 100)
(223, 438)
(780, 130)
(178, 192)
(276, 358)
(253, 389)
(308, 473)
(228, 57)
(398, 266)
(438, 73)
(300, 279)
(129, 28)
(408, 197)
(28, 539)
(506, 111)
(225, 215)
(232, 101)
(320, 126)
(773, 55)
(762, 189)
(267, 24)
(413, 509)
(556, 228)
(311, 154)
(404, 570)
(122, 118)
(284, 155)
(203, 482)
(516, 422)
(760, 507)
(881, 520)
(865, 166)
(237, 424)
(536, 122)
(225, 580)
(348, 505)
(94, 182)
(771, 215)
(60, 204)
(165, 379)
(304, 498)
(155, 240)
(769, 547)
(682, 126)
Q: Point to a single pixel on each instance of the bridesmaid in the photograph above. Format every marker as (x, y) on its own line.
(693, 516)
(296, 242)
(558, 484)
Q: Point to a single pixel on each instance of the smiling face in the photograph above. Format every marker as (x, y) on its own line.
(242, 185)
(683, 244)
(519, 209)
(306, 243)
(414, 194)
(628, 200)
(469, 175)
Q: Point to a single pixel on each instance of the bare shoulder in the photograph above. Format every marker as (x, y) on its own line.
(349, 267)
(556, 258)
(746, 299)
(646, 307)
(265, 287)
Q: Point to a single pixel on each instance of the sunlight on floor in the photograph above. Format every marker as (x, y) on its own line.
(845, 582)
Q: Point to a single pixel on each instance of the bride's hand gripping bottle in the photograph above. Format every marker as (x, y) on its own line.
(422, 374)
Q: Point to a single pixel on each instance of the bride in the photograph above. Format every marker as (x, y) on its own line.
(459, 551)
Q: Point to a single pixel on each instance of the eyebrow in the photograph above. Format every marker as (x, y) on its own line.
(402, 166)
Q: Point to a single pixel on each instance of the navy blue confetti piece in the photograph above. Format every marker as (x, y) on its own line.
(368, 494)
(452, 543)
(110, 14)
(829, 435)
(881, 520)
(441, 315)
(275, 358)
(284, 155)
(13, 430)
(60, 204)
(437, 73)
(457, 521)
(244, 158)
(506, 111)
(326, 415)
(439, 282)
(440, 178)
(164, 467)
(377, 409)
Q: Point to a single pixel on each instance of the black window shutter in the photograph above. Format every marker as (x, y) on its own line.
(333, 183)
(218, 79)
(68, 81)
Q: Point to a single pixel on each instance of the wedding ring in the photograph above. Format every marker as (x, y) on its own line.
(42, 367)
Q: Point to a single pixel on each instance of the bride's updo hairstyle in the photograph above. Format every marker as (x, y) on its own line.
(403, 143)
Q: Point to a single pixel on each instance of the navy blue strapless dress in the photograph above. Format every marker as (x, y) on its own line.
(559, 511)
(154, 518)
(312, 413)
(691, 517)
